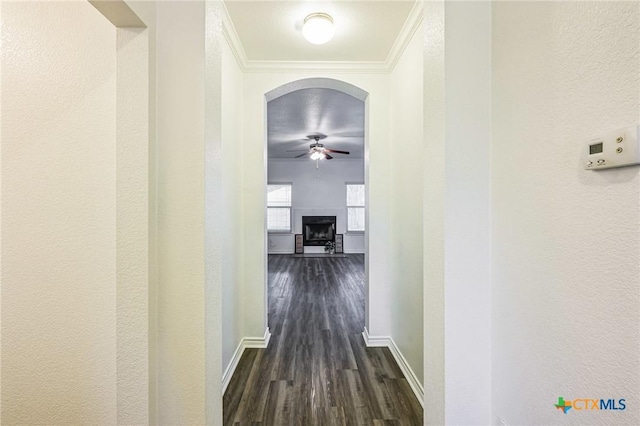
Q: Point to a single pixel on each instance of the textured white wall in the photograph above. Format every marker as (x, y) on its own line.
(256, 85)
(433, 211)
(566, 241)
(405, 246)
(317, 192)
(232, 271)
(132, 225)
(146, 11)
(186, 211)
(180, 185)
(214, 211)
(467, 213)
(457, 242)
(58, 214)
(189, 213)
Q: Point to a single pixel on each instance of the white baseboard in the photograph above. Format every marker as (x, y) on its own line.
(247, 342)
(258, 342)
(375, 341)
(387, 342)
(279, 252)
(354, 251)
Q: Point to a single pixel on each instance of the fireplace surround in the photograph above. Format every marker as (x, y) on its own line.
(318, 230)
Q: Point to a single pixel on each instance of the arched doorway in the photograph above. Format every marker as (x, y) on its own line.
(306, 97)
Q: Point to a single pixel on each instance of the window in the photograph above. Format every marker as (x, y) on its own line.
(279, 208)
(355, 207)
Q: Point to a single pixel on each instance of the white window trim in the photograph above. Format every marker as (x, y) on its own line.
(291, 225)
(359, 207)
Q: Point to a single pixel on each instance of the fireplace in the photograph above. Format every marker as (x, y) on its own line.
(318, 230)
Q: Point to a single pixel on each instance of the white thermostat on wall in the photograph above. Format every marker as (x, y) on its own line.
(618, 148)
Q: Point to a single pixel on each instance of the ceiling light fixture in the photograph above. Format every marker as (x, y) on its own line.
(317, 155)
(318, 28)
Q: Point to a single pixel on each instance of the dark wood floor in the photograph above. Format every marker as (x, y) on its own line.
(317, 369)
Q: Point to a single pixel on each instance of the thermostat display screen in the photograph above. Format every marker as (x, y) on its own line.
(595, 148)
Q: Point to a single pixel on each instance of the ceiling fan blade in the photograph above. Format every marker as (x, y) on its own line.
(297, 150)
(328, 157)
(337, 151)
(301, 155)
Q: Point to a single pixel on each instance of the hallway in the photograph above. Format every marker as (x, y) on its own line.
(317, 369)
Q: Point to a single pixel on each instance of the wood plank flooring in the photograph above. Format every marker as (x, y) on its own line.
(317, 369)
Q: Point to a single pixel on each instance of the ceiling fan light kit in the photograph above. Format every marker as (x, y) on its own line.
(318, 28)
(317, 151)
(316, 155)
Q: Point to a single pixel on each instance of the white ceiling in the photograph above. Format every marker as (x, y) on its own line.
(272, 30)
(367, 31)
(292, 118)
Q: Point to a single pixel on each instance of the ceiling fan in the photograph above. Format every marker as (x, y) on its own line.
(317, 151)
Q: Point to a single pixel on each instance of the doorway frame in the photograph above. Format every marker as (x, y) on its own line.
(351, 90)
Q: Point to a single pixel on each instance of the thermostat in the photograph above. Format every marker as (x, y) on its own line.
(618, 148)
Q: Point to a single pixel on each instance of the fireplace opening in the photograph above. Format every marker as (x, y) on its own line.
(318, 230)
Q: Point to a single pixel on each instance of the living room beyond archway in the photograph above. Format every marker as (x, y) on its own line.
(316, 225)
(311, 126)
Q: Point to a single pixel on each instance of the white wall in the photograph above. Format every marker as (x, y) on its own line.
(566, 241)
(457, 257)
(180, 171)
(255, 86)
(146, 11)
(317, 192)
(405, 242)
(132, 224)
(58, 214)
(232, 278)
(107, 93)
(467, 213)
(189, 241)
(76, 317)
(433, 210)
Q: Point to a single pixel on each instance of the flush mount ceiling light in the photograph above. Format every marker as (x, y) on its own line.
(318, 28)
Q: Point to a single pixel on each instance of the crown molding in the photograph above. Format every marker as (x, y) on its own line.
(411, 25)
(231, 35)
(314, 67)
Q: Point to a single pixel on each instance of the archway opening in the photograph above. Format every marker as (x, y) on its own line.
(316, 206)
